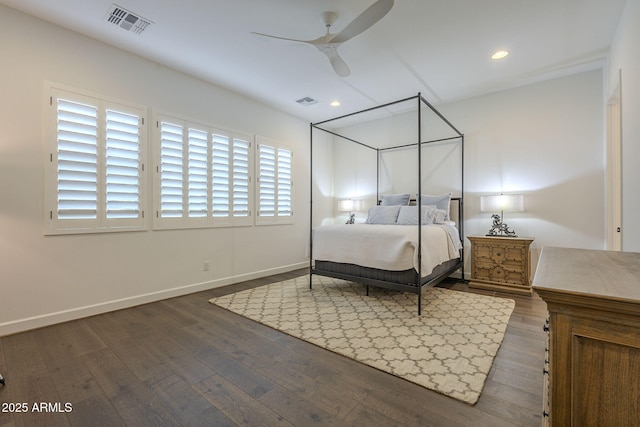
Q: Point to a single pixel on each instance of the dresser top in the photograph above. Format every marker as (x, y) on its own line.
(603, 274)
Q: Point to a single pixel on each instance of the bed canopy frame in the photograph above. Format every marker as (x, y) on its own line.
(419, 283)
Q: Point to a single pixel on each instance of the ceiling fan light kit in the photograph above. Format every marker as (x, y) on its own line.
(328, 43)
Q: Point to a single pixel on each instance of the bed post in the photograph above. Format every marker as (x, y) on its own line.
(310, 205)
(461, 206)
(419, 200)
(378, 176)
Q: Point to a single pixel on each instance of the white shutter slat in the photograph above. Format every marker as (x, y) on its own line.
(220, 158)
(122, 165)
(240, 188)
(198, 173)
(171, 170)
(284, 182)
(77, 157)
(266, 187)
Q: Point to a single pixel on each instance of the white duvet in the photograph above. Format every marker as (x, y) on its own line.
(386, 247)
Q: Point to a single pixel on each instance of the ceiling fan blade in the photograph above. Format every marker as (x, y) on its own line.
(373, 14)
(284, 38)
(339, 66)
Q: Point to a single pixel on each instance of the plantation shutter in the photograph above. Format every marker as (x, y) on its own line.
(220, 176)
(275, 184)
(267, 180)
(77, 161)
(171, 171)
(198, 174)
(203, 176)
(94, 173)
(285, 183)
(241, 177)
(122, 165)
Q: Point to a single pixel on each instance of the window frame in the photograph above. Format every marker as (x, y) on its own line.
(209, 220)
(52, 223)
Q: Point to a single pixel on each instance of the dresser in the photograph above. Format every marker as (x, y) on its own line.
(501, 263)
(593, 299)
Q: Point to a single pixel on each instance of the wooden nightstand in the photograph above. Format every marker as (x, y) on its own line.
(501, 264)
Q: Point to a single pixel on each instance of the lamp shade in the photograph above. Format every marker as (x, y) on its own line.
(502, 203)
(348, 205)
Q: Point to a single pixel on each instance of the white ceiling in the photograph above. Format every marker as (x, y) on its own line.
(440, 48)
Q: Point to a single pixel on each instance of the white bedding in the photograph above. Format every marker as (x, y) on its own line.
(386, 247)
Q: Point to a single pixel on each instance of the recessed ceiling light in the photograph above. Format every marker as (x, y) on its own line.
(335, 103)
(500, 54)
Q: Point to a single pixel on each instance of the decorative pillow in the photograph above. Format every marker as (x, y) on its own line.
(429, 214)
(395, 199)
(442, 201)
(408, 215)
(439, 216)
(383, 214)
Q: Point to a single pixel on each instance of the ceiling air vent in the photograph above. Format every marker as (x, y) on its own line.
(306, 101)
(129, 21)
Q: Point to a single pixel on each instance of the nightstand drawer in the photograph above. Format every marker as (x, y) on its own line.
(506, 272)
(500, 253)
(500, 263)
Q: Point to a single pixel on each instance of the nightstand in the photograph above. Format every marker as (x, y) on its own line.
(501, 264)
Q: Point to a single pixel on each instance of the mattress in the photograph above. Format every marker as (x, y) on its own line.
(391, 248)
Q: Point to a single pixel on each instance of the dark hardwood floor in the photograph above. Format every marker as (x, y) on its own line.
(184, 361)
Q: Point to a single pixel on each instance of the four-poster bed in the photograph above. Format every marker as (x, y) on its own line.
(426, 253)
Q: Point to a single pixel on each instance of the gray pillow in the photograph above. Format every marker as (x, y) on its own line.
(442, 201)
(408, 215)
(383, 214)
(395, 199)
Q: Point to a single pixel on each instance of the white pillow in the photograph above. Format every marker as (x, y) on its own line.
(439, 216)
(429, 214)
(383, 214)
(442, 201)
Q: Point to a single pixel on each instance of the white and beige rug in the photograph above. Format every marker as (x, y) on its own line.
(449, 349)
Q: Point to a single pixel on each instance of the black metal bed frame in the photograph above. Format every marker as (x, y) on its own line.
(409, 287)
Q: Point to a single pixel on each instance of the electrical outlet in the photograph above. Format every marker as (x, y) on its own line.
(205, 266)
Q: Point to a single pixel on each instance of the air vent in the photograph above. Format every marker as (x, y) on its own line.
(129, 21)
(306, 101)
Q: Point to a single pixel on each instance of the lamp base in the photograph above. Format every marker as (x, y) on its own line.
(352, 219)
(499, 228)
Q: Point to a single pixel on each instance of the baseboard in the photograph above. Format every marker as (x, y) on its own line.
(22, 325)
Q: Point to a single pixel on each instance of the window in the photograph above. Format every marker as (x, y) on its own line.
(203, 175)
(94, 172)
(275, 183)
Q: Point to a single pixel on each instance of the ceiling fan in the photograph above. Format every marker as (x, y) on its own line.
(328, 43)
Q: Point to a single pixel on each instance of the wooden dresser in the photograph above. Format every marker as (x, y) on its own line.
(593, 298)
(501, 263)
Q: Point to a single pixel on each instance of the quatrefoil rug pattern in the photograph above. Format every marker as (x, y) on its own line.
(449, 348)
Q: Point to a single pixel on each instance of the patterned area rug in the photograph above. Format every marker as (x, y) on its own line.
(449, 349)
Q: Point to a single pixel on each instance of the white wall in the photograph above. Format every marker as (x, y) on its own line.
(45, 279)
(543, 140)
(624, 57)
